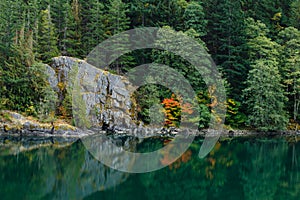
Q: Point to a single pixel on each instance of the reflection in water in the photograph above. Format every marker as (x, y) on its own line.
(235, 169)
(265, 163)
(54, 172)
(125, 157)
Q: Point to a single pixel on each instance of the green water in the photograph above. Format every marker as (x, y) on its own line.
(236, 169)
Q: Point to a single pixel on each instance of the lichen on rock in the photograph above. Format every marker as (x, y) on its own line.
(99, 98)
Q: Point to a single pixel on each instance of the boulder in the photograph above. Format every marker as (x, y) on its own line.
(102, 98)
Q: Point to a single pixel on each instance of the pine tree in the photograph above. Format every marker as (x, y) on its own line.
(264, 96)
(254, 28)
(139, 12)
(263, 10)
(116, 18)
(23, 81)
(31, 11)
(226, 39)
(295, 14)
(47, 40)
(11, 20)
(58, 18)
(175, 41)
(92, 25)
(71, 34)
(194, 18)
(157, 13)
(259, 46)
(290, 70)
(117, 22)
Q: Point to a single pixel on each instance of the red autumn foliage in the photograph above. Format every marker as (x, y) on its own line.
(174, 108)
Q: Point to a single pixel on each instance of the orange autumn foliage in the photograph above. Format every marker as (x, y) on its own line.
(174, 108)
(167, 158)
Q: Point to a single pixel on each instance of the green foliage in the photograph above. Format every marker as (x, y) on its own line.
(201, 104)
(264, 97)
(273, 13)
(46, 41)
(71, 38)
(23, 87)
(174, 41)
(238, 34)
(116, 21)
(47, 106)
(93, 28)
(148, 96)
(23, 79)
(290, 70)
(255, 29)
(157, 13)
(194, 18)
(295, 14)
(226, 40)
(262, 47)
(116, 18)
(234, 117)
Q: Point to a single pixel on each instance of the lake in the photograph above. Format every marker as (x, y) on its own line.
(239, 168)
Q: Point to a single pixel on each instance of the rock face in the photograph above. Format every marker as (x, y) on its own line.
(104, 98)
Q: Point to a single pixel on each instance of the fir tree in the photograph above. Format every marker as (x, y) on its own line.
(117, 22)
(116, 18)
(92, 25)
(295, 14)
(194, 18)
(290, 68)
(71, 34)
(226, 39)
(23, 81)
(58, 17)
(47, 40)
(264, 96)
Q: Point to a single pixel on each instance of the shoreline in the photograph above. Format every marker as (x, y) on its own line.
(14, 124)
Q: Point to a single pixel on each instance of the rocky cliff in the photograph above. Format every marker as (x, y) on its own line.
(98, 97)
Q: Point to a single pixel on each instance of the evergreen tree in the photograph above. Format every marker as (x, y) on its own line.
(140, 12)
(226, 39)
(175, 41)
(194, 18)
(47, 41)
(264, 96)
(116, 18)
(31, 9)
(71, 34)
(92, 25)
(263, 10)
(117, 22)
(157, 13)
(58, 17)
(254, 28)
(23, 80)
(11, 18)
(290, 70)
(259, 46)
(295, 14)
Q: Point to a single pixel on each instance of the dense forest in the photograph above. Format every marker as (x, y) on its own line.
(255, 44)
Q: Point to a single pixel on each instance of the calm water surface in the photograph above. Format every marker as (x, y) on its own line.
(235, 169)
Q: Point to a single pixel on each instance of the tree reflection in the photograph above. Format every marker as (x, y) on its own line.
(234, 169)
(262, 168)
